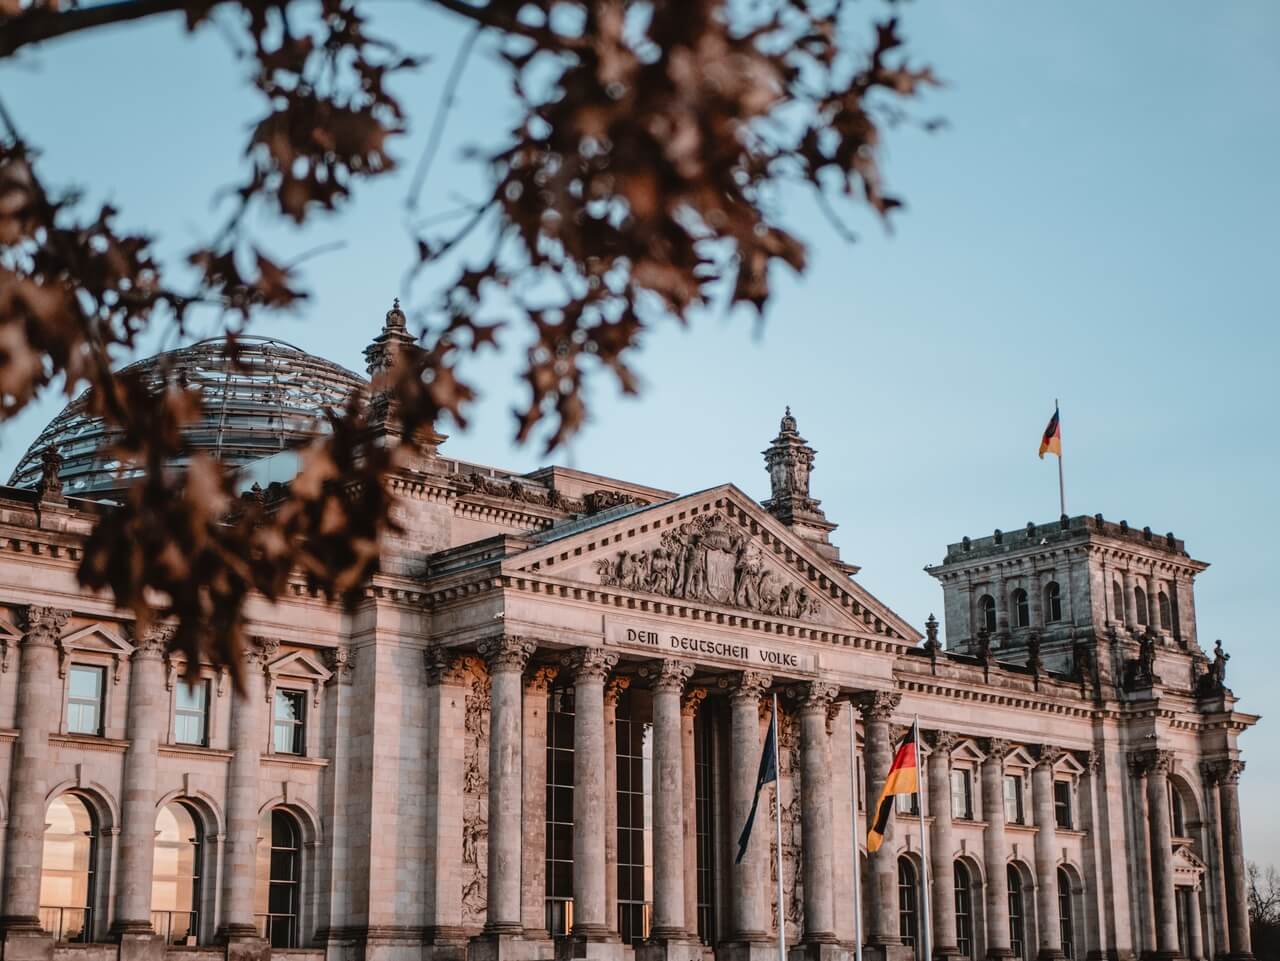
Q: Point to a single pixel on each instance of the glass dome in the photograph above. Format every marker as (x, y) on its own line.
(266, 399)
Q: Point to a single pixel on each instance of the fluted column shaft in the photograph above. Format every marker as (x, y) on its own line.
(1233, 861)
(1145, 894)
(148, 713)
(590, 667)
(1161, 836)
(24, 839)
(534, 841)
(668, 801)
(747, 878)
(506, 657)
(816, 825)
(1195, 928)
(613, 691)
(1046, 855)
(248, 731)
(688, 712)
(1216, 881)
(942, 846)
(993, 851)
(882, 869)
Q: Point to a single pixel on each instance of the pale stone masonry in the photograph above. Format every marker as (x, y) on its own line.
(538, 737)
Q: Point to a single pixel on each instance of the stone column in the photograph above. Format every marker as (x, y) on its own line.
(613, 690)
(747, 878)
(448, 675)
(668, 801)
(994, 848)
(881, 911)
(1145, 894)
(1046, 847)
(248, 734)
(1233, 860)
(28, 783)
(1216, 879)
(533, 869)
(590, 667)
(1153, 602)
(1195, 928)
(1130, 614)
(1094, 923)
(693, 699)
(816, 827)
(1158, 764)
(506, 656)
(1035, 600)
(148, 716)
(942, 847)
(1002, 607)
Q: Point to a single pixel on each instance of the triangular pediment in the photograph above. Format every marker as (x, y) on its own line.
(96, 637)
(714, 549)
(299, 664)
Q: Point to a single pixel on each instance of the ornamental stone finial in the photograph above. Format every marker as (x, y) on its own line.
(789, 460)
(49, 486)
(43, 625)
(751, 684)
(878, 705)
(590, 663)
(672, 675)
(506, 652)
(692, 700)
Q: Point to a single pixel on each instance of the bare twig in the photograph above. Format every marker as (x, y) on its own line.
(436, 136)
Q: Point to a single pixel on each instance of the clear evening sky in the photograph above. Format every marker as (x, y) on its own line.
(1097, 223)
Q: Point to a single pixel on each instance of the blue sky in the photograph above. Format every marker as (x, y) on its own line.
(1097, 223)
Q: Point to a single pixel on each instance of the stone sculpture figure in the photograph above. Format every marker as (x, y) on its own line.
(1218, 669)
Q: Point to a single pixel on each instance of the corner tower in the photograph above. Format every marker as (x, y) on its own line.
(789, 460)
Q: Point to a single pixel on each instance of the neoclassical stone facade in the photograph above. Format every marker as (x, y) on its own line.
(538, 735)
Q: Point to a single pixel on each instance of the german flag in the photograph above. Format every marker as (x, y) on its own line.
(1051, 442)
(903, 778)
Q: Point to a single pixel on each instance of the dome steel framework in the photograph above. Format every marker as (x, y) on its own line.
(268, 398)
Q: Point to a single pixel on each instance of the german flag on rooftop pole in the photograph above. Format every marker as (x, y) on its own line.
(903, 778)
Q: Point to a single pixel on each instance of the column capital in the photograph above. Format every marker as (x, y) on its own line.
(614, 689)
(878, 705)
(996, 748)
(540, 678)
(447, 666)
(1151, 761)
(1091, 761)
(692, 700)
(261, 649)
(942, 742)
(341, 660)
(1222, 771)
(750, 685)
(154, 642)
(816, 696)
(590, 663)
(506, 652)
(1047, 755)
(42, 626)
(669, 674)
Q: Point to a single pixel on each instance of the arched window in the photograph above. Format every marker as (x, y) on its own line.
(987, 613)
(279, 923)
(1017, 916)
(908, 915)
(1066, 926)
(67, 869)
(175, 880)
(1140, 602)
(1117, 602)
(1052, 602)
(1166, 612)
(964, 910)
(1021, 609)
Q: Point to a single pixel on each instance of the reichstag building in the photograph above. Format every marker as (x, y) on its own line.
(538, 736)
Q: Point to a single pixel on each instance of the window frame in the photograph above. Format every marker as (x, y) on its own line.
(988, 614)
(1052, 602)
(962, 879)
(1017, 896)
(206, 717)
(299, 727)
(1020, 602)
(198, 879)
(101, 671)
(1064, 803)
(91, 906)
(1019, 782)
(294, 884)
(963, 775)
(909, 904)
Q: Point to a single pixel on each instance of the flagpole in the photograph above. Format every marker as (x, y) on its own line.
(927, 927)
(1062, 491)
(777, 810)
(857, 867)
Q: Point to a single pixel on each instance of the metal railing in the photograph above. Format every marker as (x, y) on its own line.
(177, 927)
(71, 925)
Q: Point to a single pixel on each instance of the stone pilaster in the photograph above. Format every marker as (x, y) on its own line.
(534, 849)
(506, 656)
(816, 827)
(877, 708)
(1233, 860)
(613, 691)
(1097, 929)
(689, 706)
(148, 715)
(993, 850)
(590, 667)
(942, 848)
(24, 838)
(1157, 765)
(1046, 848)
(248, 734)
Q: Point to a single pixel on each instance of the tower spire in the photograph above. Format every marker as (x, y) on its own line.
(380, 357)
(789, 460)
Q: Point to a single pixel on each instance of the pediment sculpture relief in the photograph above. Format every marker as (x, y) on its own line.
(708, 559)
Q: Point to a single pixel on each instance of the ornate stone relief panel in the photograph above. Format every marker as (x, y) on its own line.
(792, 867)
(475, 801)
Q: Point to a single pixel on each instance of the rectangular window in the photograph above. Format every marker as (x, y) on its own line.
(705, 825)
(1013, 799)
(84, 699)
(907, 803)
(559, 861)
(962, 794)
(289, 723)
(191, 713)
(1062, 803)
(635, 824)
